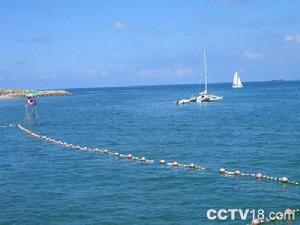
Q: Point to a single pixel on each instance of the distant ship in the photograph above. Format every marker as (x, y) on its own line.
(275, 79)
(237, 83)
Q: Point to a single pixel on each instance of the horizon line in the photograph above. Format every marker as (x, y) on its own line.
(146, 85)
(170, 84)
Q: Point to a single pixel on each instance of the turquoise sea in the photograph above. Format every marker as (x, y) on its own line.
(256, 129)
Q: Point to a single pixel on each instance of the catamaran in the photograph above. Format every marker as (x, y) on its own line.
(237, 83)
(202, 96)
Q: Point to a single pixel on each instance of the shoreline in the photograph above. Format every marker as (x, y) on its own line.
(7, 94)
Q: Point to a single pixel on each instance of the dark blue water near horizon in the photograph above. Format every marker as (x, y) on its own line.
(255, 129)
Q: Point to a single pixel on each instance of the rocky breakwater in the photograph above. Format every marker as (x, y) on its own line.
(20, 93)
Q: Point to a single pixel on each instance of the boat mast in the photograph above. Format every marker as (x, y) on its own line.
(205, 72)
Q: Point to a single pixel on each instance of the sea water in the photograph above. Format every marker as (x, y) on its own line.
(254, 129)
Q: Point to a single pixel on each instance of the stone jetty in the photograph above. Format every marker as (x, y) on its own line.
(20, 93)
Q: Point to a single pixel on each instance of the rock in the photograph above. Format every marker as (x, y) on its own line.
(6, 93)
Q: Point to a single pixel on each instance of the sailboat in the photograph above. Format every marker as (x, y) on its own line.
(237, 83)
(202, 96)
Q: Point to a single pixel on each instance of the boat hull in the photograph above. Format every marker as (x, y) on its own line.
(237, 86)
(203, 98)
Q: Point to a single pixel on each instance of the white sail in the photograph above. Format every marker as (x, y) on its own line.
(237, 83)
(235, 78)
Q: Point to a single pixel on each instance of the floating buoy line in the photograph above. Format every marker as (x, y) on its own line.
(109, 153)
(258, 176)
(173, 164)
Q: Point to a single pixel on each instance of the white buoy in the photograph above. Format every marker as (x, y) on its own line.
(174, 163)
(142, 159)
(129, 156)
(237, 173)
(258, 175)
(256, 222)
(229, 173)
(222, 171)
(284, 179)
(192, 165)
(162, 161)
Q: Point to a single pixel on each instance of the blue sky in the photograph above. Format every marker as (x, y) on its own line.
(94, 43)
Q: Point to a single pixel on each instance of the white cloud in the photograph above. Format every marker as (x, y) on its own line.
(118, 25)
(176, 71)
(92, 71)
(252, 55)
(292, 38)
